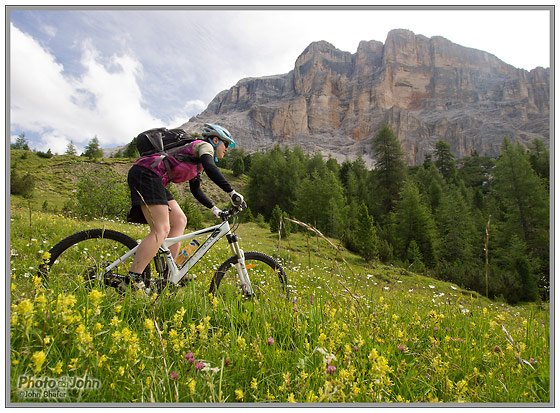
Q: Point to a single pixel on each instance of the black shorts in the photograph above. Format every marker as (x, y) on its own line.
(146, 188)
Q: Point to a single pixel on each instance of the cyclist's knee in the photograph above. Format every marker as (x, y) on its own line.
(161, 231)
(179, 221)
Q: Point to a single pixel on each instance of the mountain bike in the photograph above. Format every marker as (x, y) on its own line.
(104, 256)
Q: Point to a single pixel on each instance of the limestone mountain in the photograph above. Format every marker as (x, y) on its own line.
(426, 89)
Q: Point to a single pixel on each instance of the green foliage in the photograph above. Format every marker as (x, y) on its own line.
(102, 193)
(414, 222)
(274, 222)
(194, 216)
(521, 201)
(71, 149)
(444, 160)
(20, 143)
(366, 238)
(390, 168)
(131, 151)
(46, 155)
(93, 149)
(238, 166)
(21, 184)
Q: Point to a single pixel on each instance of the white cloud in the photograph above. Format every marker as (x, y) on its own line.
(105, 101)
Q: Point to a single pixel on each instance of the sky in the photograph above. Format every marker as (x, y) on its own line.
(83, 73)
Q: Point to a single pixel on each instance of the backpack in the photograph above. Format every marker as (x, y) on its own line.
(166, 143)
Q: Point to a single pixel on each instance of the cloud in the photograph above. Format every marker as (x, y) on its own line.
(105, 101)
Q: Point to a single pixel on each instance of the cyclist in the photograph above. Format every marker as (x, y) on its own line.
(152, 202)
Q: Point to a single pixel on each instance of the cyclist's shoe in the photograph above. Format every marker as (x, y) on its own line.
(134, 282)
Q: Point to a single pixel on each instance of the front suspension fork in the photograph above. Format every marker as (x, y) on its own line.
(240, 265)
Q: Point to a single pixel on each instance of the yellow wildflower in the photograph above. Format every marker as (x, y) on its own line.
(149, 324)
(291, 398)
(58, 368)
(95, 297)
(239, 395)
(38, 358)
(254, 383)
(241, 343)
(192, 386)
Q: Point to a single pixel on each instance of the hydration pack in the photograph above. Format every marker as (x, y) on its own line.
(166, 143)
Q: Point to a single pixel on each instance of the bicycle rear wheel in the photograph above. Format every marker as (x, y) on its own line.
(267, 277)
(83, 257)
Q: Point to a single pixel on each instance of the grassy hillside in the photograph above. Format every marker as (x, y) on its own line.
(57, 177)
(350, 333)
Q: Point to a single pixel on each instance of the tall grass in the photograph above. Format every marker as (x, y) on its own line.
(372, 334)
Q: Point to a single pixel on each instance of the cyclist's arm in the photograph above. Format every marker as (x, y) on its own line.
(215, 175)
(198, 194)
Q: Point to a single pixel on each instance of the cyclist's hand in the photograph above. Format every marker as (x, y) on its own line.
(236, 199)
(216, 211)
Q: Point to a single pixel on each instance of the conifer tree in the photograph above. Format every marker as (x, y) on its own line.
(444, 160)
(389, 166)
(93, 149)
(413, 221)
(70, 149)
(366, 239)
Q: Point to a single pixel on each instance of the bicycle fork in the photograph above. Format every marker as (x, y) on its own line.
(244, 279)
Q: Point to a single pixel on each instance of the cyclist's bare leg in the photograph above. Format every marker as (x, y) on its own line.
(178, 223)
(158, 219)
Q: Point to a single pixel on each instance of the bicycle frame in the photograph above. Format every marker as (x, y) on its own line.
(216, 232)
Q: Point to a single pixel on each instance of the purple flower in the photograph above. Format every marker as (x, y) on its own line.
(532, 360)
(401, 347)
(356, 348)
(331, 369)
(436, 328)
(174, 375)
(270, 341)
(199, 365)
(189, 356)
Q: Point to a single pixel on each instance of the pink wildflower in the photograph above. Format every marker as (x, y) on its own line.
(174, 375)
(331, 369)
(270, 341)
(401, 347)
(199, 365)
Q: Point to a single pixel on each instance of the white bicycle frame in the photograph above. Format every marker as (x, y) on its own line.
(216, 232)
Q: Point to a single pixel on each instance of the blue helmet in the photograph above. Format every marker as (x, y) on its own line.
(210, 130)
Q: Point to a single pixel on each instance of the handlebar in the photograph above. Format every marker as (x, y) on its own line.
(233, 211)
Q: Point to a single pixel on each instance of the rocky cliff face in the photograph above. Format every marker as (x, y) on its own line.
(426, 89)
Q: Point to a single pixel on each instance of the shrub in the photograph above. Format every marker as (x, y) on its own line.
(102, 193)
(21, 184)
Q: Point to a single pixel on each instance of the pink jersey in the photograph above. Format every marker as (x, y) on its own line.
(181, 171)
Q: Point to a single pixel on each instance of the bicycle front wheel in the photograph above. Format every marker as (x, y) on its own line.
(267, 277)
(83, 257)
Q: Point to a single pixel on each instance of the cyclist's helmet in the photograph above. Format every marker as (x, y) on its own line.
(210, 130)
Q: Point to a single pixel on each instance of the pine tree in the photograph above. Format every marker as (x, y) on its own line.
(522, 205)
(21, 142)
(70, 149)
(390, 167)
(131, 151)
(93, 149)
(366, 238)
(413, 221)
(445, 160)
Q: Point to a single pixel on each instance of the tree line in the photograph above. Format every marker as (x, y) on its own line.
(435, 218)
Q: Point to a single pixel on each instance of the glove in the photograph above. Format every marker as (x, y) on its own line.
(216, 211)
(236, 199)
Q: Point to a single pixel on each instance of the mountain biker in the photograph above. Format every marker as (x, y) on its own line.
(152, 202)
